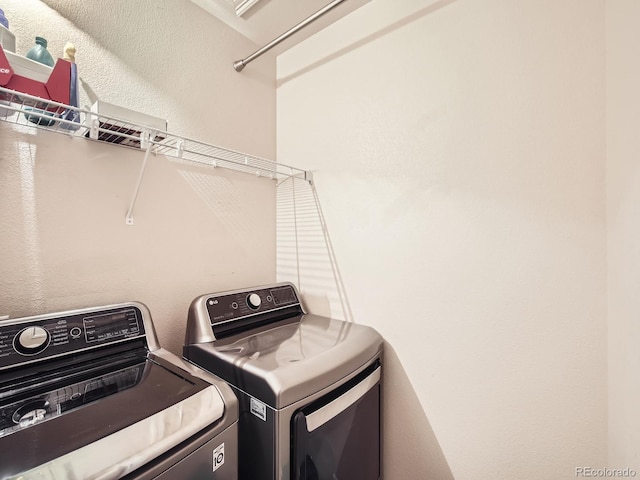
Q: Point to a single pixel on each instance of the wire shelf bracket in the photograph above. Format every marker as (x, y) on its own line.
(23, 109)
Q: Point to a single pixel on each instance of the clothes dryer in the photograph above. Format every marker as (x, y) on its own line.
(309, 386)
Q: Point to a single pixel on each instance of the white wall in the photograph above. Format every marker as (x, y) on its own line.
(623, 228)
(458, 152)
(64, 241)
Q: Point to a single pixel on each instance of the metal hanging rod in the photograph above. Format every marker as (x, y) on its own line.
(240, 64)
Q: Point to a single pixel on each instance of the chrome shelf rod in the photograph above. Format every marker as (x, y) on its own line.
(240, 64)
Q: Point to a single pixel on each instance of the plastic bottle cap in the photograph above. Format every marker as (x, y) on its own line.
(41, 41)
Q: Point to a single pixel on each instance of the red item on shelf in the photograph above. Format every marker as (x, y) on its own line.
(56, 88)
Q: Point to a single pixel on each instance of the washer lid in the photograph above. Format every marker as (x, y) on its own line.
(105, 426)
(289, 360)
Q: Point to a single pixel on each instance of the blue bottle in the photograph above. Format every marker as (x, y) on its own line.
(72, 115)
(39, 52)
(3, 20)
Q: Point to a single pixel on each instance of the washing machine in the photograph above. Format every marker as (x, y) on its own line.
(309, 386)
(89, 394)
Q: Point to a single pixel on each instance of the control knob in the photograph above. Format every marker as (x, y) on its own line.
(31, 340)
(254, 301)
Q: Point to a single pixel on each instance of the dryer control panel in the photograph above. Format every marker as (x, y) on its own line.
(219, 315)
(232, 306)
(31, 339)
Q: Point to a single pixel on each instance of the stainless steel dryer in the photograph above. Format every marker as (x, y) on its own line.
(88, 394)
(309, 386)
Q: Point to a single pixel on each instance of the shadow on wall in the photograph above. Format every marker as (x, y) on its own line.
(305, 255)
(423, 12)
(418, 455)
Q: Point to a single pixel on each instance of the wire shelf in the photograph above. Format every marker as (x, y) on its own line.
(23, 109)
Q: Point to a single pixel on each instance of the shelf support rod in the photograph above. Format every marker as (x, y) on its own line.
(149, 144)
(240, 64)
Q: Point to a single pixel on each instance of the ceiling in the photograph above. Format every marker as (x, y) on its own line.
(265, 20)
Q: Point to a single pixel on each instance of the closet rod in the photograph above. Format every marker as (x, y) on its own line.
(240, 64)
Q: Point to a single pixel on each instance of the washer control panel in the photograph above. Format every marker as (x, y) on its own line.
(228, 307)
(35, 338)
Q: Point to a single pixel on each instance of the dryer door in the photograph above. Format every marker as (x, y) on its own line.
(338, 437)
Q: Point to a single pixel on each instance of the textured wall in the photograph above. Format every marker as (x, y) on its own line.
(458, 153)
(63, 201)
(165, 57)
